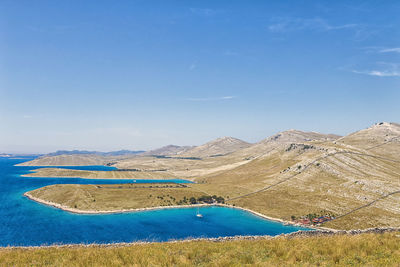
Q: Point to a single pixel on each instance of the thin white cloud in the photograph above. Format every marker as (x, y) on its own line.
(383, 69)
(390, 50)
(27, 116)
(379, 73)
(204, 99)
(286, 24)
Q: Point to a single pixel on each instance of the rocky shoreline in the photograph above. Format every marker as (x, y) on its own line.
(298, 234)
(78, 211)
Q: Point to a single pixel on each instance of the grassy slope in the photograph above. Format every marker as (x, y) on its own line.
(72, 160)
(341, 250)
(115, 197)
(66, 173)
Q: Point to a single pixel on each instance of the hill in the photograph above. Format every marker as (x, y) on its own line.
(217, 147)
(381, 138)
(170, 150)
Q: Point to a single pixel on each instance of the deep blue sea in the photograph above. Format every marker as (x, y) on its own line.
(26, 223)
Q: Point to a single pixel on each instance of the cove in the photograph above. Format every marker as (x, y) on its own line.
(26, 223)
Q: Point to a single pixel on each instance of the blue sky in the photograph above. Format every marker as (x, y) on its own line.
(108, 75)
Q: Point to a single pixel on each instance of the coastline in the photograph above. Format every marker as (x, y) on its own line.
(297, 234)
(78, 211)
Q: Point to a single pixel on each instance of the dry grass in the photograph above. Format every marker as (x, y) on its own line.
(115, 197)
(343, 250)
(68, 173)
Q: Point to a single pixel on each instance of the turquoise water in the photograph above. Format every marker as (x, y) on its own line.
(105, 181)
(25, 222)
(84, 168)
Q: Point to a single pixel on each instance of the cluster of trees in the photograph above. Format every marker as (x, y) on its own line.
(202, 199)
(210, 199)
(311, 216)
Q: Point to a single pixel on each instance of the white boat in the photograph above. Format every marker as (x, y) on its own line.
(198, 213)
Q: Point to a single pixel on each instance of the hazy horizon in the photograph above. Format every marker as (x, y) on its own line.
(151, 148)
(139, 75)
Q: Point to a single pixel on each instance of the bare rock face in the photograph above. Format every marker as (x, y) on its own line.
(217, 147)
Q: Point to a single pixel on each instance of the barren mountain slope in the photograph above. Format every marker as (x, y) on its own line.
(381, 138)
(209, 165)
(170, 150)
(218, 147)
(280, 140)
(301, 178)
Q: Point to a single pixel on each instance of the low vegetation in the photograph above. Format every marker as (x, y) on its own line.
(339, 250)
(123, 196)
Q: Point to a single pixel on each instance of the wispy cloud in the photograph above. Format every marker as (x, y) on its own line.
(204, 99)
(379, 73)
(390, 50)
(387, 70)
(286, 24)
(27, 116)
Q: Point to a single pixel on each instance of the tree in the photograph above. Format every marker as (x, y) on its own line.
(192, 200)
(220, 199)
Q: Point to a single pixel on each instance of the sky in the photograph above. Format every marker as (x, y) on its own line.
(110, 75)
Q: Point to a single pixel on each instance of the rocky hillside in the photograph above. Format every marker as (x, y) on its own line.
(217, 147)
(170, 150)
(282, 139)
(356, 177)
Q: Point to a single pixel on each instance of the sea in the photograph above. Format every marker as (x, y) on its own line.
(24, 222)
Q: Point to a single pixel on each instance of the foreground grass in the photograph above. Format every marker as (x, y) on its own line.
(359, 250)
